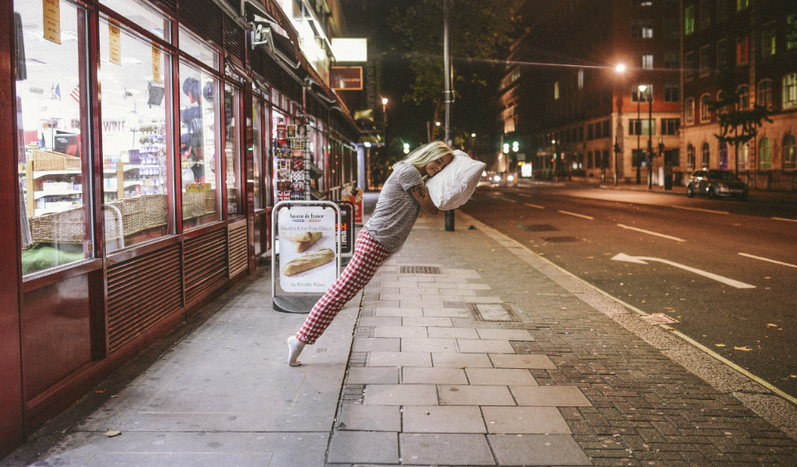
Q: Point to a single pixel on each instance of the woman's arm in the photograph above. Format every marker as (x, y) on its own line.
(421, 194)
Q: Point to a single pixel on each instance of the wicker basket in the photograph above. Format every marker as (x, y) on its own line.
(198, 203)
(58, 227)
(49, 160)
(155, 210)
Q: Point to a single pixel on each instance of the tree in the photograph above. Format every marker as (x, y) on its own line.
(481, 31)
(738, 124)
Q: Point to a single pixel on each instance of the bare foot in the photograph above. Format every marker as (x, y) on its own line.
(295, 347)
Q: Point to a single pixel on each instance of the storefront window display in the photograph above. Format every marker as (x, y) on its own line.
(199, 109)
(194, 47)
(144, 15)
(135, 137)
(257, 154)
(231, 149)
(53, 166)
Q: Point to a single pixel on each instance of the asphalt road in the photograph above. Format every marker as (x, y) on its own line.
(724, 271)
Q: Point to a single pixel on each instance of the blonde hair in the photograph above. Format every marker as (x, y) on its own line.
(427, 153)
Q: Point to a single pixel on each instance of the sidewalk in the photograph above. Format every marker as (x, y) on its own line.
(465, 349)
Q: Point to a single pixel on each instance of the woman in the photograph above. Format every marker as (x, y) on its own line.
(400, 200)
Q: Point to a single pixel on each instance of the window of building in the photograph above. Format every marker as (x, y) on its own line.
(145, 16)
(689, 111)
(744, 97)
(642, 30)
(705, 108)
(135, 98)
(257, 157)
(670, 126)
(605, 158)
(689, 20)
(590, 132)
(723, 155)
(607, 126)
(690, 157)
(789, 152)
(789, 91)
(742, 4)
(53, 111)
(580, 79)
(647, 61)
(581, 134)
(764, 93)
(671, 29)
(764, 154)
(672, 60)
(706, 155)
(791, 39)
(672, 93)
(690, 70)
(705, 14)
(556, 90)
(768, 42)
(642, 126)
(722, 53)
(705, 62)
(232, 156)
(744, 156)
(589, 159)
(742, 50)
(194, 47)
(199, 164)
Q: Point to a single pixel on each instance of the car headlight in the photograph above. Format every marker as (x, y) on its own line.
(510, 178)
(723, 187)
(496, 178)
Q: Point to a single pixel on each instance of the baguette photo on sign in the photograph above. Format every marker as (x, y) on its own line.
(297, 236)
(308, 261)
(305, 245)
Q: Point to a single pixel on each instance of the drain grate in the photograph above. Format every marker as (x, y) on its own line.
(419, 270)
(492, 312)
(561, 239)
(537, 228)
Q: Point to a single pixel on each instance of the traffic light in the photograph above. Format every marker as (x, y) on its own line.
(515, 146)
(406, 148)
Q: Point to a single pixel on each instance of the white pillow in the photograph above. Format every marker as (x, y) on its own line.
(455, 184)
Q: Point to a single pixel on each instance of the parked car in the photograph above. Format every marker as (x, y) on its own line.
(716, 183)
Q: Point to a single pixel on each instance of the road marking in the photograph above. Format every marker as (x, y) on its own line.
(577, 215)
(724, 280)
(524, 195)
(651, 233)
(770, 260)
(783, 219)
(534, 206)
(507, 199)
(701, 210)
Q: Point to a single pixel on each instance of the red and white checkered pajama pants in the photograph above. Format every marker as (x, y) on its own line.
(368, 256)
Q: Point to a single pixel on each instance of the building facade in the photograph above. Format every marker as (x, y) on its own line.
(755, 41)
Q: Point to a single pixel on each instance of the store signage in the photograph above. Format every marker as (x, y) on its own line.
(52, 20)
(114, 44)
(156, 65)
(350, 49)
(346, 78)
(308, 245)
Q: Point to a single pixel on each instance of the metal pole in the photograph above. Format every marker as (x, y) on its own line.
(448, 73)
(650, 144)
(638, 131)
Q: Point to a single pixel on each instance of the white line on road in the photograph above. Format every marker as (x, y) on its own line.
(770, 260)
(651, 233)
(783, 219)
(718, 278)
(534, 206)
(524, 195)
(577, 215)
(701, 210)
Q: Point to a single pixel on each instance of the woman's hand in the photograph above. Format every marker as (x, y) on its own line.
(421, 194)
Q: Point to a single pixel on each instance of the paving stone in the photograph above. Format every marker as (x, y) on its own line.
(445, 449)
(400, 331)
(444, 313)
(537, 450)
(459, 360)
(437, 419)
(437, 302)
(508, 334)
(401, 312)
(409, 394)
(444, 322)
(500, 376)
(363, 446)
(428, 345)
(375, 321)
(469, 286)
(522, 361)
(456, 332)
(485, 346)
(533, 420)
(359, 417)
(369, 344)
(399, 359)
(483, 300)
(373, 375)
(412, 375)
(549, 396)
(475, 395)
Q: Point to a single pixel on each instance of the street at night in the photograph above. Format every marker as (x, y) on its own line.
(723, 272)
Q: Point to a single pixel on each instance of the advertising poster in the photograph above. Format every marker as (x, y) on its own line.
(308, 242)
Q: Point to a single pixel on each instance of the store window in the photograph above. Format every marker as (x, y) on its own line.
(52, 117)
(199, 111)
(789, 152)
(232, 151)
(136, 146)
(764, 154)
(145, 16)
(257, 154)
(194, 47)
(281, 156)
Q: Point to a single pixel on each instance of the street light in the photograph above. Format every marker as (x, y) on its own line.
(650, 134)
(384, 115)
(640, 89)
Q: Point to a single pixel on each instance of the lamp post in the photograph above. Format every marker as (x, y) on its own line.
(384, 115)
(640, 89)
(449, 78)
(650, 135)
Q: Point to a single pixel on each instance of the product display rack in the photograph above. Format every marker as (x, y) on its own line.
(292, 159)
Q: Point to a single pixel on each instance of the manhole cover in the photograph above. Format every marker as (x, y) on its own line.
(492, 312)
(537, 228)
(419, 270)
(560, 239)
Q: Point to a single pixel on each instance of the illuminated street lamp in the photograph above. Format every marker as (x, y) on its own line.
(384, 115)
(650, 143)
(640, 89)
